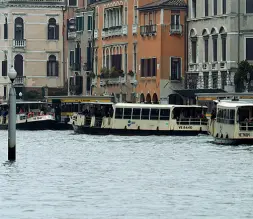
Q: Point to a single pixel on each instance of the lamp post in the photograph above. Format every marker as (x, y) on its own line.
(20, 95)
(12, 117)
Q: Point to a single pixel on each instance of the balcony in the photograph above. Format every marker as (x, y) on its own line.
(19, 81)
(134, 28)
(71, 35)
(148, 30)
(176, 29)
(19, 43)
(96, 34)
(114, 31)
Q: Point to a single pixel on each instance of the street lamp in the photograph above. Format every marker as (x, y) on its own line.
(12, 117)
(20, 95)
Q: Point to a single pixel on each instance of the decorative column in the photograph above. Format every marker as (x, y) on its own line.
(210, 80)
(105, 58)
(219, 80)
(228, 78)
(200, 78)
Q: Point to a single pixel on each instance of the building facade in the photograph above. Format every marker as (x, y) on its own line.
(32, 42)
(161, 50)
(80, 52)
(219, 36)
(115, 40)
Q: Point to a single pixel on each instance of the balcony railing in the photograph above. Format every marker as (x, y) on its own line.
(71, 35)
(134, 28)
(19, 81)
(19, 43)
(176, 29)
(114, 31)
(148, 30)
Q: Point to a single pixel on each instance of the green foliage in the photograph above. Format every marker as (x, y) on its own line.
(32, 95)
(241, 75)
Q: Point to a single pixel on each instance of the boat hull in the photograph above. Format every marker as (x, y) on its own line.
(40, 125)
(226, 141)
(132, 132)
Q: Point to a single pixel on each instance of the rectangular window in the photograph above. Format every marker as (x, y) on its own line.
(6, 29)
(175, 69)
(224, 6)
(79, 23)
(194, 7)
(89, 55)
(194, 51)
(5, 92)
(145, 114)
(215, 49)
(149, 67)
(90, 23)
(136, 114)
(127, 113)
(175, 21)
(249, 48)
(4, 68)
(249, 6)
(71, 58)
(142, 67)
(214, 7)
(154, 65)
(224, 48)
(164, 114)
(206, 8)
(119, 113)
(135, 15)
(154, 114)
(206, 50)
(72, 3)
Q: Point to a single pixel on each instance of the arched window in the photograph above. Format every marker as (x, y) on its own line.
(214, 34)
(206, 41)
(19, 28)
(223, 34)
(193, 36)
(52, 66)
(18, 65)
(53, 29)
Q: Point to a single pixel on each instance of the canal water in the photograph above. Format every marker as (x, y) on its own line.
(59, 175)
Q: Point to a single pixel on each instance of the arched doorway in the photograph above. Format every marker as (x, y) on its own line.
(148, 98)
(18, 65)
(155, 98)
(176, 99)
(142, 98)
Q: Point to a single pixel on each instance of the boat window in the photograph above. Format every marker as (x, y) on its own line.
(136, 113)
(127, 113)
(119, 113)
(145, 114)
(164, 114)
(154, 114)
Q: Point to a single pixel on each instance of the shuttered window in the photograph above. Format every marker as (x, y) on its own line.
(79, 23)
(90, 23)
(4, 68)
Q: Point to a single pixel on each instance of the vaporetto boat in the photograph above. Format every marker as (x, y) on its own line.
(143, 119)
(33, 118)
(233, 122)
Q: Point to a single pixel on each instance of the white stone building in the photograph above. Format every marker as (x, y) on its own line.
(220, 34)
(31, 40)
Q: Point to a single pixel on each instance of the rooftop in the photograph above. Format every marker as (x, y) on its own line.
(164, 3)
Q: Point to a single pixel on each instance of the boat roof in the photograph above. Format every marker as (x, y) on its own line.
(159, 106)
(234, 104)
(23, 102)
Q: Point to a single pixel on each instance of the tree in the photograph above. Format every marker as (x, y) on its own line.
(241, 75)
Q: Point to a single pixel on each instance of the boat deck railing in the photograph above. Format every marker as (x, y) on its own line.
(192, 121)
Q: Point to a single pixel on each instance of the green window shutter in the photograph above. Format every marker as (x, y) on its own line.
(89, 22)
(77, 23)
(82, 27)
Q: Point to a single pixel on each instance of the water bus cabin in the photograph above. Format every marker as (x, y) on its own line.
(66, 106)
(31, 115)
(232, 123)
(144, 119)
(209, 99)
